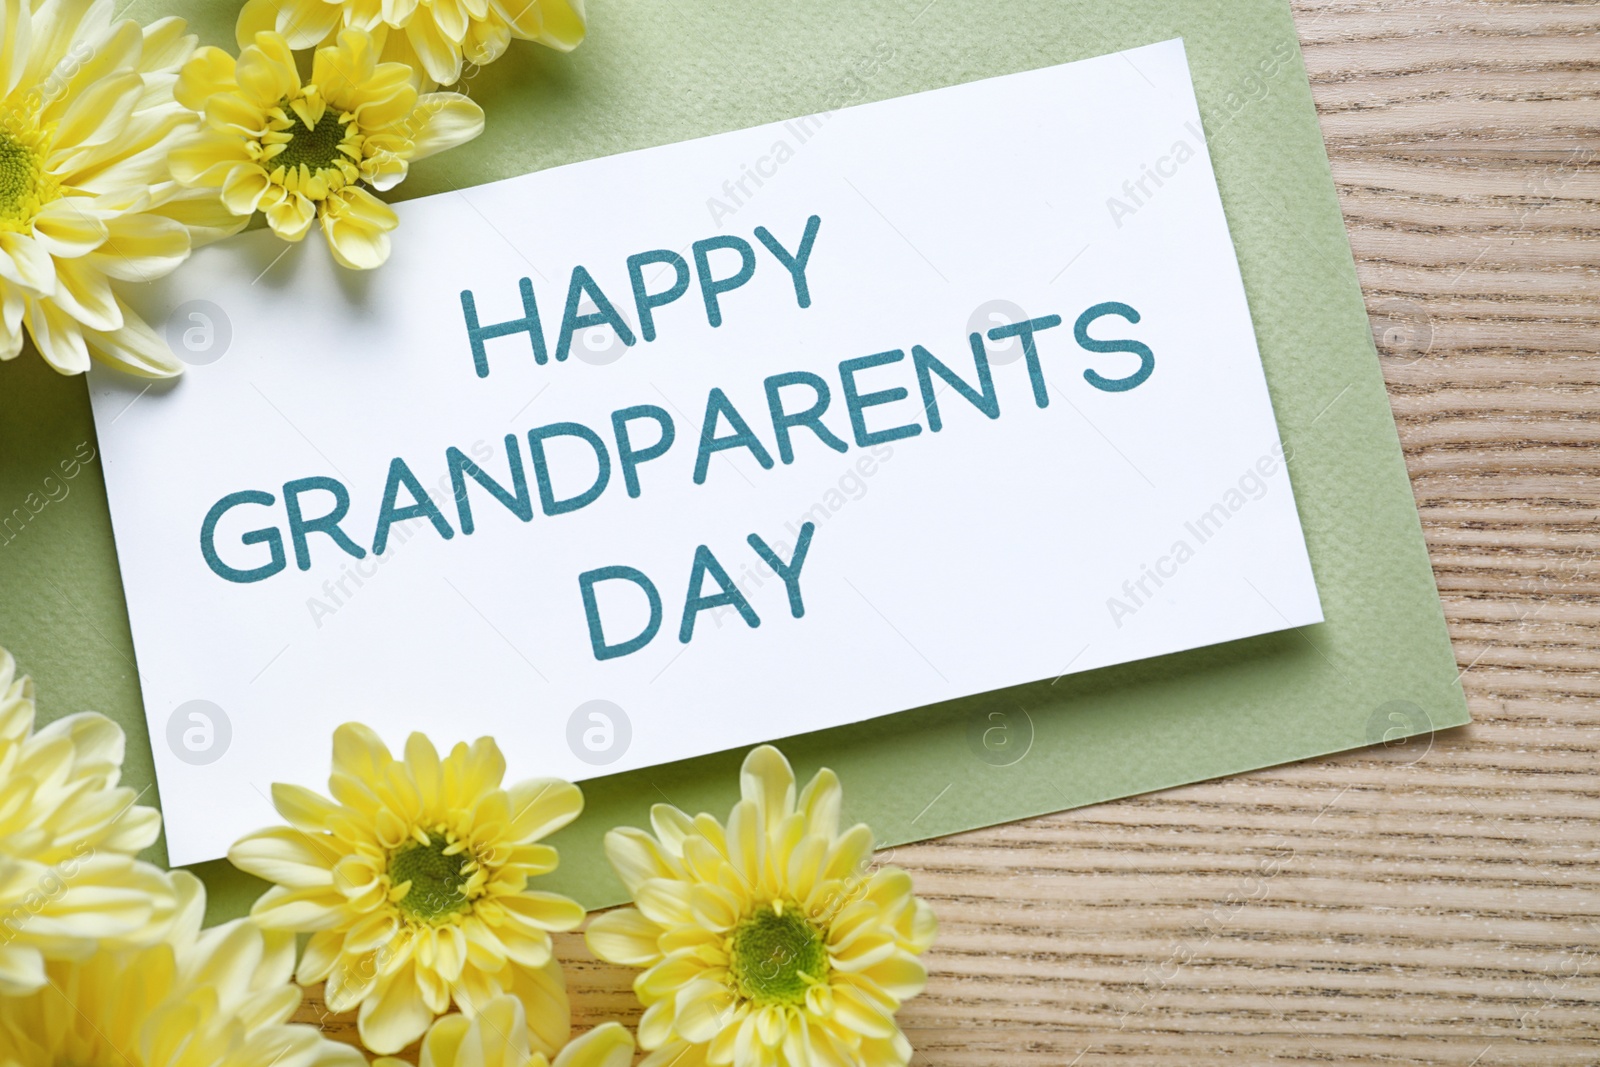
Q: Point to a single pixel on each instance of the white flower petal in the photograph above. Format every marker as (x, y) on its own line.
(68, 227)
(134, 348)
(85, 294)
(25, 263)
(57, 336)
(16, 30)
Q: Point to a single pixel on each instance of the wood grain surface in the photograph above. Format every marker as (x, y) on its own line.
(1436, 903)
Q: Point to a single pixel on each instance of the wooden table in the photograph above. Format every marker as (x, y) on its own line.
(1438, 903)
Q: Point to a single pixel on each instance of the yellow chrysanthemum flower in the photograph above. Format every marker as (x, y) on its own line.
(768, 943)
(86, 120)
(68, 836)
(434, 37)
(200, 998)
(498, 1037)
(413, 881)
(304, 152)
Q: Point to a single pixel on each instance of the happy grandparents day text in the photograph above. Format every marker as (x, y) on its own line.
(796, 401)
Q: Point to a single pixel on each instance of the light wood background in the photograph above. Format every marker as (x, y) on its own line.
(1433, 904)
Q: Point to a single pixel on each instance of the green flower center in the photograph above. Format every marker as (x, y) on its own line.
(775, 955)
(313, 147)
(436, 879)
(24, 186)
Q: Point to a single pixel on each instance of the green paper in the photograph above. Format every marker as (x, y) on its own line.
(1380, 668)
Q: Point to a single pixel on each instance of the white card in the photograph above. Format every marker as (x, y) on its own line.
(1094, 504)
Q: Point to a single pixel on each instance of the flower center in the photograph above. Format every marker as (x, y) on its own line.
(775, 955)
(310, 147)
(434, 876)
(24, 185)
(315, 147)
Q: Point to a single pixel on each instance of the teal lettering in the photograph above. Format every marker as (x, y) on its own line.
(857, 402)
(711, 289)
(1025, 330)
(795, 264)
(789, 572)
(628, 457)
(421, 506)
(517, 500)
(268, 536)
(603, 315)
(987, 401)
(1147, 358)
(591, 610)
(810, 418)
(300, 526)
(645, 302)
(706, 563)
(477, 334)
(541, 466)
(718, 405)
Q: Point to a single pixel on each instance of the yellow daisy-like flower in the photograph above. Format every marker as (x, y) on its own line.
(498, 1037)
(200, 998)
(413, 882)
(87, 117)
(434, 37)
(304, 152)
(767, 942)
(68, 837)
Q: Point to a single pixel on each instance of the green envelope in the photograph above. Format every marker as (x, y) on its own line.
(655, 71)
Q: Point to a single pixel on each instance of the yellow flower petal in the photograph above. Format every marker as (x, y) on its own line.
(541, 806)
(207, 74)
(243, 188)
(305, 908)
(166, 46)
(343, 69)
(291, 217)
(624, 936)
(442, 1043)
(266, 71)
(286, 856)
(607, 1045)
(394, 1015)
(704, 1007)
(440, 56)
(222, 996)
(486, 41)
(558, 24)
(256, 16)
(98, 114)
(767, 781)
(444, 120)
(306, 23)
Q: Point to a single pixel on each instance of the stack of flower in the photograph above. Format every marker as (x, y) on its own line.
(87, 119)
(414, 883)
(123, 147)
(102, 959)
(766, 941)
